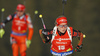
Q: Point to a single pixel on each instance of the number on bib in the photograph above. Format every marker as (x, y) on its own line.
(61, 47)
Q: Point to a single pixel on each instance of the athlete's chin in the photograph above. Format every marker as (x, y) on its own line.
(63, 31)
(19, 14)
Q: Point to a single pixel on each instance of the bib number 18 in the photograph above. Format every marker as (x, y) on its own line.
(61, 47)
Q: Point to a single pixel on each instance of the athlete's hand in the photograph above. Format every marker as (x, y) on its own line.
(2, 25)
(47, 33)
(28, 42)
(2, 32)
(44, 31)
(78, 48)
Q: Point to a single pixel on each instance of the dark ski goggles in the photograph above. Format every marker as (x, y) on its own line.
(19, 10)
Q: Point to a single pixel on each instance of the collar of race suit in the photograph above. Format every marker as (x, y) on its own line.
(60, 32)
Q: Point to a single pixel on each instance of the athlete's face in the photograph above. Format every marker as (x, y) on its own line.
(20, 13)
(62, 27)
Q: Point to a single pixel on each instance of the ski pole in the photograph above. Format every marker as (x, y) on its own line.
(2, 14)
(63, 2)
(40, 16)
(24, 2)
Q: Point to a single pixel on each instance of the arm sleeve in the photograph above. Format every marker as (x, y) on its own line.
(77, 33)
(30, 27)
(8, 19)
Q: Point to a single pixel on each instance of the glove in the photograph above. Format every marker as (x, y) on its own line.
(47, 33)
(78, 48)
(28, 42)
(2, 32)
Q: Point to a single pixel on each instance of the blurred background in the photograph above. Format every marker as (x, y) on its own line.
(83, 15)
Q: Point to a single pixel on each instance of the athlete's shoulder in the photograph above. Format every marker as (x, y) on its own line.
(27, 14)
(71, 28)
(11, 16)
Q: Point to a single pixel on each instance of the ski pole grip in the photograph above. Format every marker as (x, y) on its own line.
(44, 26)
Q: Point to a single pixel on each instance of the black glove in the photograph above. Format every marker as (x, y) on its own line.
(78, 48)
(47, 33)
(44, 31)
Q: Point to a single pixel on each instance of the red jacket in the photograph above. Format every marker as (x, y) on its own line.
(20, 25)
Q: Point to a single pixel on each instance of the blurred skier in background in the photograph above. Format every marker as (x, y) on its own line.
(61, 37)
(20, 23)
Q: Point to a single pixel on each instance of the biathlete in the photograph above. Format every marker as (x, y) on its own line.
(61, 37)
(20, 23)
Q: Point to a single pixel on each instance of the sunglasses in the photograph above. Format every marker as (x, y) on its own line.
(62, 26)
